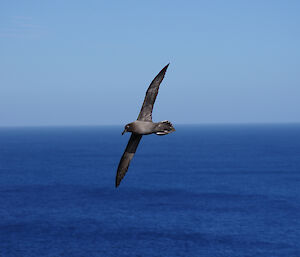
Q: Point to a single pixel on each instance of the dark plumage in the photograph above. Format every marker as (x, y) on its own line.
(143, 126)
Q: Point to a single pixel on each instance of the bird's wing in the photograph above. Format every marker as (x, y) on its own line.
(146, 111)
(127, 156)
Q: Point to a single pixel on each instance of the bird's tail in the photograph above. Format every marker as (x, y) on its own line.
(164, 127)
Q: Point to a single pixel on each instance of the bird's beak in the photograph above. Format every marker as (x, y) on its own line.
(124, 132)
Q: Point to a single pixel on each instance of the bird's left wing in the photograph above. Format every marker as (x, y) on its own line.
(127, 156)
(146, 111)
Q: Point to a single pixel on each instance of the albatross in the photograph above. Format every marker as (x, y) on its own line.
(143, 126)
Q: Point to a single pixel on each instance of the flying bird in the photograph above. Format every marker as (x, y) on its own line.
(143, 126)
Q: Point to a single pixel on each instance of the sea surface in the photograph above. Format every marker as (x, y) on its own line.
(207, 190)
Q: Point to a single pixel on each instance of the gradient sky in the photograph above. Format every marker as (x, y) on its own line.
(90, 62)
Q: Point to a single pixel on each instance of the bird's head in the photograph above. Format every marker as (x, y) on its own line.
(126, 129)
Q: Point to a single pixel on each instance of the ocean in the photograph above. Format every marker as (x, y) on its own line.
(205, 190)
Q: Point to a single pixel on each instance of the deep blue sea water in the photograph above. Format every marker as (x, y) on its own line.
(210, 190)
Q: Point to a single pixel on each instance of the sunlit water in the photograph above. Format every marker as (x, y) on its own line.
(201, 191)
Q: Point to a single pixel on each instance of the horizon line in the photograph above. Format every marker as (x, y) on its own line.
(180, 124)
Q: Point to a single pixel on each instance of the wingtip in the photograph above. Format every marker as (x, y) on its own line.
(164, 69)
(117, 183)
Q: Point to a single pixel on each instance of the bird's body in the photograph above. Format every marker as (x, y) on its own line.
(143, 126)
(148, 127)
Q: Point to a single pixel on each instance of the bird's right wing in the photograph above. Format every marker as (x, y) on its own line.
(146, 111)
(127, 156)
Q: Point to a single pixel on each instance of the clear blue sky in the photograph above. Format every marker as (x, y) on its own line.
(90, 62)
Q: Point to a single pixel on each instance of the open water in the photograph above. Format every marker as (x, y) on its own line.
(210, 190)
